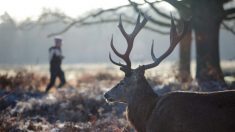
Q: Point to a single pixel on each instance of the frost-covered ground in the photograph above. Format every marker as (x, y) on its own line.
(79, 105)
(66, 109)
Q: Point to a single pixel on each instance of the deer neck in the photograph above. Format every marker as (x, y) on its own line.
(141, 105)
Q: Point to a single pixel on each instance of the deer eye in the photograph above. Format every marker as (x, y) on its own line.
(121, 83)
(127, 74)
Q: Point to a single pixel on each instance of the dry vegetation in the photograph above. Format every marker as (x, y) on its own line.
(79, 106)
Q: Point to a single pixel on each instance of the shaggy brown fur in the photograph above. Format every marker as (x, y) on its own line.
(176, 111)
(193, 112)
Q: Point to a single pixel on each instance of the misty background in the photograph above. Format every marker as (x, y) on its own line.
(87, 44)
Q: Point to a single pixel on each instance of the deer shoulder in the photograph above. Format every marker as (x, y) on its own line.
(173, 112)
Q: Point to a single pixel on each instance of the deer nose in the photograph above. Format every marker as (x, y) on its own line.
(106, 96)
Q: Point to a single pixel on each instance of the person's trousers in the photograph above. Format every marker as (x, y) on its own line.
(56, 72)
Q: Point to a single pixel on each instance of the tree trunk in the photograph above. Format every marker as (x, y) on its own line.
(185, 57)
(207, 17)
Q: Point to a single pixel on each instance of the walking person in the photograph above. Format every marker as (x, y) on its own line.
(56, 57)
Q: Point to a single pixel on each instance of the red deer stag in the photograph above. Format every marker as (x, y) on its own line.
(172, 112)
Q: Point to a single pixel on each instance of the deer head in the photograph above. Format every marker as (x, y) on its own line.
(134, 80)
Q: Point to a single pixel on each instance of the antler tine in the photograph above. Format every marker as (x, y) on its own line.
(130, 39)
(119, 64)
(174, 39)
(118, 54)
(125, 56)
(114, 49)
(139, 25)
(152, 52)
(120, 26)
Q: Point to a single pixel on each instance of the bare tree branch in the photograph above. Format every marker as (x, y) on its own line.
(137, 9)
(229, 14)
(84, 21)
(225, 1)
(229, 28)
(108, 10)
(229, 11)
(151, 4)
(178, 5)
(230, 17)
(63, 31)
(101, 22)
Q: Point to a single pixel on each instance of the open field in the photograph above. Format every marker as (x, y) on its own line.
(79, 105)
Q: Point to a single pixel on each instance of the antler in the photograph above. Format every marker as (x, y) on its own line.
(130, 39)
(174, 39)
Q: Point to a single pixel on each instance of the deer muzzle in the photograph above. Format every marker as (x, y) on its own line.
(108, 98)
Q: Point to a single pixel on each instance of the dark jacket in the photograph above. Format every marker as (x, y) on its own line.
(55, 56)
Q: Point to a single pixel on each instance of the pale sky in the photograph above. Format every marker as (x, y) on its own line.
(21, 9)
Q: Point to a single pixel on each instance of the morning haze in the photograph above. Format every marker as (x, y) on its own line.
(85, 44)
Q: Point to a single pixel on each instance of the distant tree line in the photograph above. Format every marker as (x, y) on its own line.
(207, 18)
